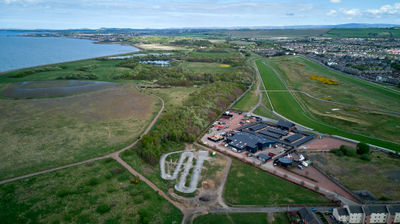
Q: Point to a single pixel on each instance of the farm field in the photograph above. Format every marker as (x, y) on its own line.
(238, 218)
(285, 104)
(43, 133)
(97, 192)
(247, 185)
(356, 174)
(363, 33)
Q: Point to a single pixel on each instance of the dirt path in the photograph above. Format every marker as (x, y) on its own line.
(93, 159)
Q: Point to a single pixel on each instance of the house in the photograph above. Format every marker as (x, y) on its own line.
(376, 214)
(394, 213)
(285, 125)
(308, 217)
(356, 213)
(341, 215)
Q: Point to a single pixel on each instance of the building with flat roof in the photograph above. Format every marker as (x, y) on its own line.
(248, 141)
(308, 217)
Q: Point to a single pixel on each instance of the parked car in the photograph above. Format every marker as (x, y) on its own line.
(271, 154)
(300, 167)
(313, 209)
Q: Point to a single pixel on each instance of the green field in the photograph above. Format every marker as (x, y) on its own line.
(356, 174)
(202, 67)
(43, 133)
(263, 112)
(285, 103)
(98, 192)
(247, 185)
(247, 102)
(239, 218)
(364, 33)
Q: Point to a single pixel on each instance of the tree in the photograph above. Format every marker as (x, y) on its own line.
(362, 148)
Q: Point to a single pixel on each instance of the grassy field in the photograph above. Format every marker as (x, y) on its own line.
(285, 103)
(364, 33)
(98, 192)
(250, 218)
(263, 112)
(44, 133)
(203, 67)
(248, 101)
(356, 174)
(247, 185)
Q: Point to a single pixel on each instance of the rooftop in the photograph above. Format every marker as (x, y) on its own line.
(355, 209)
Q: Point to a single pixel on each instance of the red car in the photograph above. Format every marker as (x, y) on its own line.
(271, 154)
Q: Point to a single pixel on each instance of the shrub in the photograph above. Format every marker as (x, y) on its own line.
(337, 152)
(103, 208)
(64, 192)
(348, 150)
(362, 148)
(93, 181)
(365, 157)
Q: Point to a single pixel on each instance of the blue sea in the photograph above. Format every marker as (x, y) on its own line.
(20, 52)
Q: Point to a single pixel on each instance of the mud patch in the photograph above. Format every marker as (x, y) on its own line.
(43, 89)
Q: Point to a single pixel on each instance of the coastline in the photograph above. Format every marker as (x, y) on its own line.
(94, 42)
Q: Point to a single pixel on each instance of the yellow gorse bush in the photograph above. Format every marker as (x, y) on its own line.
(324, 80)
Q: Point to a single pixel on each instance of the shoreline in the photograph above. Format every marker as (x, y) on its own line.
(94, 42)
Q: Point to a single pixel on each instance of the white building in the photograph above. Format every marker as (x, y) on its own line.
(356, 214)
(376, 214)
(394, 212)
(341, 215)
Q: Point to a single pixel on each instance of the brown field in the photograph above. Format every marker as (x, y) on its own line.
(157, 47)
(44, 133)
(380, 176)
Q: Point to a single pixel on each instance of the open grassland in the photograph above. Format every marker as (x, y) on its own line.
(350, 90)
(98, 192)
(364, 32)
(265, 113)
(380, 176)
(202, 67)
(247, 102)
(239, 218)
(285, 103)
(42, 133)
(247, 185)
(272, 33)
(103, 70)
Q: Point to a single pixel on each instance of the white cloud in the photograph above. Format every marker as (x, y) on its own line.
(386, 9)
(332, 13)
(335, 1)
(18, 1)
(351, 12)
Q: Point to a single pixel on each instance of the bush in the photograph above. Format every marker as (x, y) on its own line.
(337, 152)
(365, 157)
(93, 181)
(64, 192)
(103, 208)
(348, 150)
(362, 148)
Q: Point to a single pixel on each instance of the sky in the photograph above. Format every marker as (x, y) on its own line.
(69, 14)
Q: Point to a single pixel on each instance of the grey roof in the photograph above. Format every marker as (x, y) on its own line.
(306, 214)
(258, 127)
(343, 212)
(355, 209)
(285, 160)
(375, 209)
(285, 124)
(264, 156)
(293, 138)
(242, 139)
(278, 131)
(270, 134)
(393, 209)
